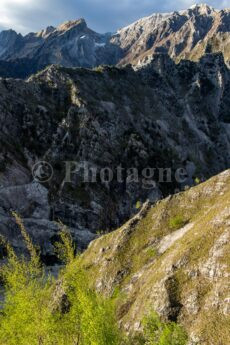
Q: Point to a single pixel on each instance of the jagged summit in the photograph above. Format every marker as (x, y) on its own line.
(202, 9)
(203, 6)
(72, 23)
(46, 32)
(156, 17)
(182, 35)
(186, 34)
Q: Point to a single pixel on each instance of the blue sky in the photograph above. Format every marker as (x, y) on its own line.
(101, 15)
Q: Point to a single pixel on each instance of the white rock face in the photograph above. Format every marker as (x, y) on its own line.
(203, 8)
(169, 240)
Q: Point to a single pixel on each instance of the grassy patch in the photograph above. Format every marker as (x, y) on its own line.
(176, 222)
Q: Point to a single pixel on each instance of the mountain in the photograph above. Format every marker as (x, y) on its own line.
(185, 34)
(71, 44)
(173, 257)
(9, 41)
(162, 115)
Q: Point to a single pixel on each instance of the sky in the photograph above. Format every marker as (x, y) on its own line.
(101, 15)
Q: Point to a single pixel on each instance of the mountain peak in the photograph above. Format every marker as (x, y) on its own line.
(182, 35)
(7, 39)
(8, 33)
(46, 32)
(72, 23)
(202, 8)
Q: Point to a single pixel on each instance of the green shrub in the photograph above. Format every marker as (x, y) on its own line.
(197, 180)
(40, 310)
(151, 253)
(177, 222)
(138, 205)
(99, 69)
(157, 332)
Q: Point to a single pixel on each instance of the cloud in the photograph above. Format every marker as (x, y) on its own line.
(22, 15)
(102, 15)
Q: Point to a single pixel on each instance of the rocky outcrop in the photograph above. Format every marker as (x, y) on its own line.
(107, 121)
(9, 40)
(181, 270)
(187, 34)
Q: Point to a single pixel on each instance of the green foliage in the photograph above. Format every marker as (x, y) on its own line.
(101, 232)
(138, 205)
(151, 253)
(39, 310)
(157, 332)
(99, 69)
(24, 313)
(65, 249)
(197, 180)
(177, 222)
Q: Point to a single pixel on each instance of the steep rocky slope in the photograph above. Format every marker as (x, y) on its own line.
(71, 44)
(183, 35)
(160, 116)
(173, 257)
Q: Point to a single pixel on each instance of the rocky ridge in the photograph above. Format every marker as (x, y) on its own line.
(179, 269)
(71, 44)
(186, 34)
(162, 115)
